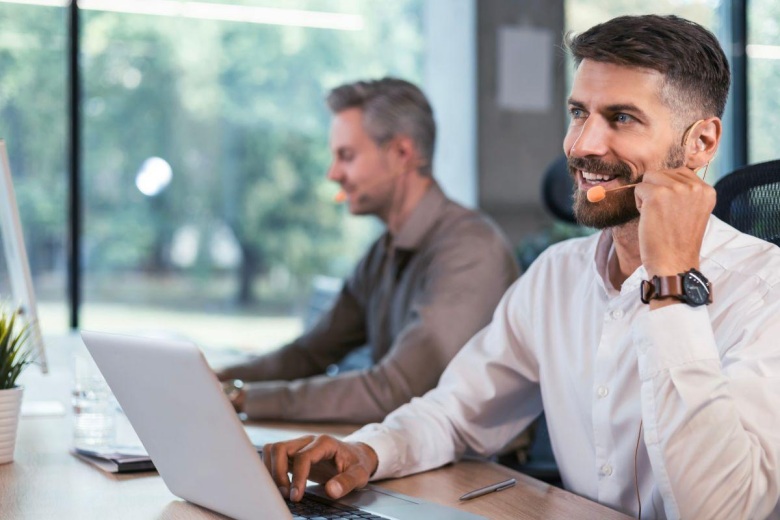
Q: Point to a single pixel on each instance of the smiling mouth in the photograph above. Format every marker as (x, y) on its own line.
(596, 178)
(589, 179)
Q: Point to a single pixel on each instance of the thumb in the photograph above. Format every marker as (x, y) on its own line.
(352, 478)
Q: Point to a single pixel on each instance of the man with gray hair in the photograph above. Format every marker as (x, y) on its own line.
(428, 284)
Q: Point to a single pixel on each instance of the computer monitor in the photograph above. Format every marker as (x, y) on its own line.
(16, 259)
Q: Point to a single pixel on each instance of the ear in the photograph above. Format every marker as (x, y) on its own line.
(405, 152)
(701, 142)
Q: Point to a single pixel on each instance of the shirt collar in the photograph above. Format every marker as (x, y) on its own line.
(603, 247)
(600, 253)
(422, 219)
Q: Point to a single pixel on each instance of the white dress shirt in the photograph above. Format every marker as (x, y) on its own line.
(704, 383)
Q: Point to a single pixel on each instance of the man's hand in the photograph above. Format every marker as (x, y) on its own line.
(675, 206)
(341, 466)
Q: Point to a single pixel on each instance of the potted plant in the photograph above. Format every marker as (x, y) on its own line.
(14, 357)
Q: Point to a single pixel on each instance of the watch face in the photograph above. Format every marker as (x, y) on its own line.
(696, 287)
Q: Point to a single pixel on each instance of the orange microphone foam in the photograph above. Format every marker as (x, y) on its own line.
(598, 193)
(340, 197)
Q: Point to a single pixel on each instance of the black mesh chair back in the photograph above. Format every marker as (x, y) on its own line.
(749, 200)
(558, 190)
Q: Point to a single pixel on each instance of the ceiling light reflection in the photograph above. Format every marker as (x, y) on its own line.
(220, 12)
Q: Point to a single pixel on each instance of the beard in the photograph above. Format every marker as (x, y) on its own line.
(617, 208)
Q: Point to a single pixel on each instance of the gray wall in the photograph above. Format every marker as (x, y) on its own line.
(514, 148)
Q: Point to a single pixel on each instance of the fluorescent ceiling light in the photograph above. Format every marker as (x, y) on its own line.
(764, 52)
(47, 3)
(220, 12)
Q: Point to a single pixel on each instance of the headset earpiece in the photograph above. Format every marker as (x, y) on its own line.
(689, 131)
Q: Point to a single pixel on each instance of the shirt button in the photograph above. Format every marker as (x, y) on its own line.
(617, 314)
(603, 391)
(606, 470)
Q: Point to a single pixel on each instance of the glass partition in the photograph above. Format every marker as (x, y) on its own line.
(33, 123)
(763, 68)
(205, 140)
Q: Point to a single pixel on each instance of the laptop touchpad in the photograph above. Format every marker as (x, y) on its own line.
(386, 503)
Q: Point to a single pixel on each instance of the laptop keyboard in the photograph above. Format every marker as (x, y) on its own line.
(312, 507)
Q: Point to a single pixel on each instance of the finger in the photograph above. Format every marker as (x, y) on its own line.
(353, 477)
(276, 458)
(268, 460)
(323, 447)
(669, 177)
(670, 182)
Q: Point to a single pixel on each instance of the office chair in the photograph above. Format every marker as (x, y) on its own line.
(557, 194)
(749, 200)
(558, 190)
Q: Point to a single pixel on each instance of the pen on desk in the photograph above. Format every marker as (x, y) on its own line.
(498, 486)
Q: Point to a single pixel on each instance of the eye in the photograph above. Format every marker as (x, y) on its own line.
(623, 118)
(576, 113)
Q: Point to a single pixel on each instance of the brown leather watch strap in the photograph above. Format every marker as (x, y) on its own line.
(661, 287)
(668, 286)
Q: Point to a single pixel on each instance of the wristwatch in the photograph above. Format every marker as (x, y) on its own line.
(234, 388)
(690, 287)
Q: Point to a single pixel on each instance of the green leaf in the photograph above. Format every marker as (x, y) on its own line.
(14, 354)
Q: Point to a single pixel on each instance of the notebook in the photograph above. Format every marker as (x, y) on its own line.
(198, 444)
(116, 459)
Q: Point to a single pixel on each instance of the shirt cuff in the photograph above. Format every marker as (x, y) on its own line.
(672, 336)
(381, 441)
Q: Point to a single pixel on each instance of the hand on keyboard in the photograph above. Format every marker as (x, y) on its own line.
(340, 466)
(317, 508)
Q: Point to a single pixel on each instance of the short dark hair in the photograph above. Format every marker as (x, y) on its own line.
(391, 106)
(687, 54)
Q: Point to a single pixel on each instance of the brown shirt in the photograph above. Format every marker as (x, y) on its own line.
(415, 298)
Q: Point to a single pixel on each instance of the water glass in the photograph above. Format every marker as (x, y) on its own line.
(94, 406)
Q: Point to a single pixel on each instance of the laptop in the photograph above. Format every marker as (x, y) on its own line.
(198, 444)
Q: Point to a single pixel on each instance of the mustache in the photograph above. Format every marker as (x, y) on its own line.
(618, 169)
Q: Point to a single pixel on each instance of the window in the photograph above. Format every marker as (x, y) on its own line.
(33, 123)
(584, 14)
(763, 67)
(207, 210)
(204, 151)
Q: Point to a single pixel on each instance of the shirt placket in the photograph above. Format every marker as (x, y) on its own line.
(386, 301)
(607, 467)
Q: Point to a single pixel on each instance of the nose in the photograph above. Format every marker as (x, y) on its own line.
(588, 139)
(334, 173)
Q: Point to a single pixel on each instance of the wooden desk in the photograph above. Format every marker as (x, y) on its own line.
(45, 481)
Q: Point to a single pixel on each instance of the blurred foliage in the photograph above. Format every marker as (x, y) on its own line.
(236, 109)
(763, 75)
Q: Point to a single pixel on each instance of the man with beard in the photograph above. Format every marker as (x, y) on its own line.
(651, 346)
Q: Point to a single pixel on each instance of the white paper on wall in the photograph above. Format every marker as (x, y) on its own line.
(525, 68)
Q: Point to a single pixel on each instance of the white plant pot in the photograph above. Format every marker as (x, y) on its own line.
(10, 405)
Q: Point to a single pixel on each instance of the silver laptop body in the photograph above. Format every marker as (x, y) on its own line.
(198, 444)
